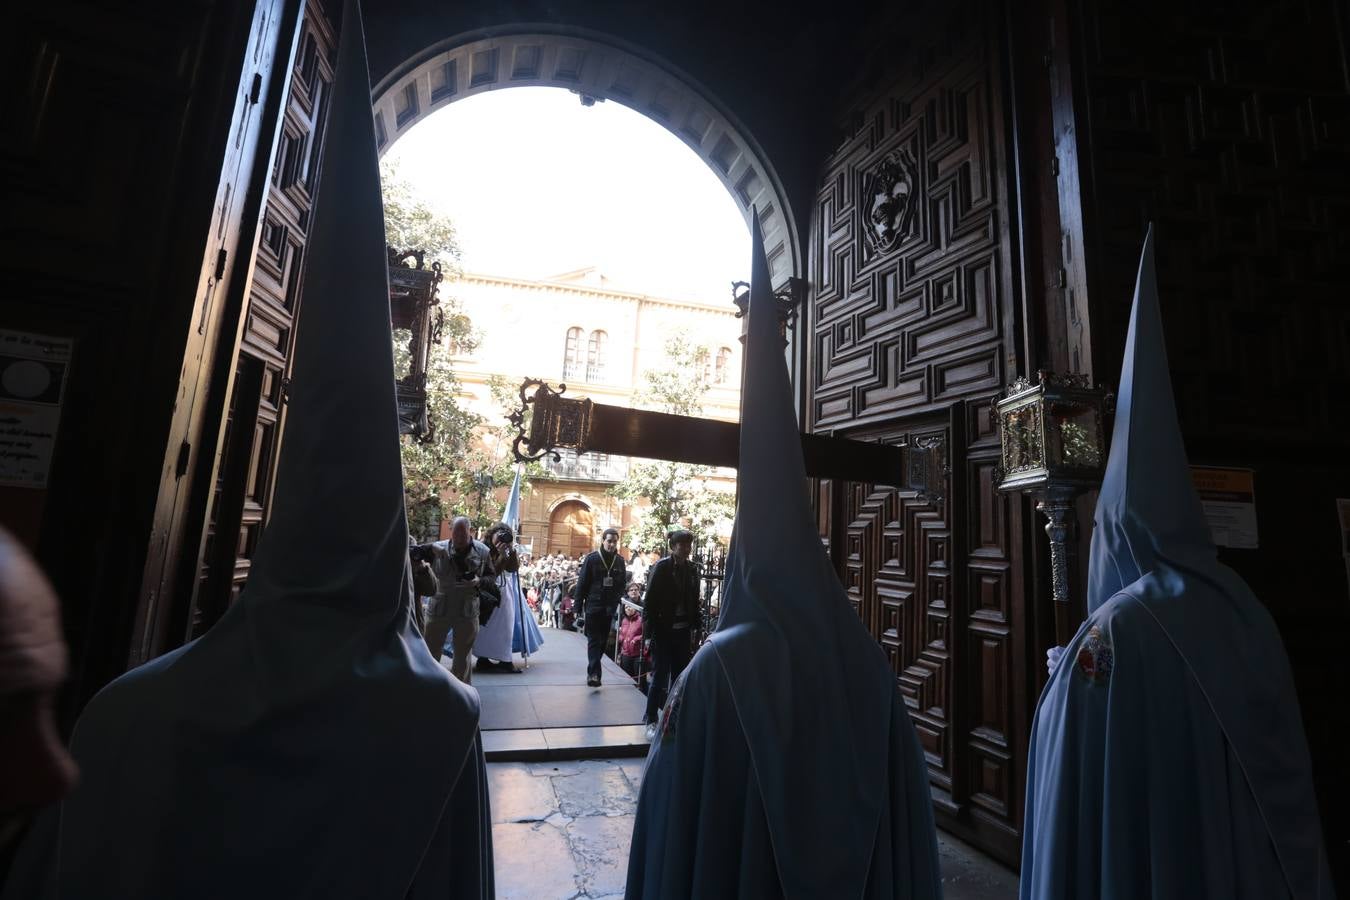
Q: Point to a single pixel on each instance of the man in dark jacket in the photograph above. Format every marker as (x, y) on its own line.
(670, 615)
(600, 584)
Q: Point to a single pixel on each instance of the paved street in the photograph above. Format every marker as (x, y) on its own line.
(548, 712)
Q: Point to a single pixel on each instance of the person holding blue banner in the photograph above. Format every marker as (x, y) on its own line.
(525, 636)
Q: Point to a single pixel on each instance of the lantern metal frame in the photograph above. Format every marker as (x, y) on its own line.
(1053, 446)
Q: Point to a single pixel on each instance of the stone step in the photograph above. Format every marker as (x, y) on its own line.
(582, 742)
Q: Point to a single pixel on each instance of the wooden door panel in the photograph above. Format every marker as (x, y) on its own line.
(911, 330)
(271, 320)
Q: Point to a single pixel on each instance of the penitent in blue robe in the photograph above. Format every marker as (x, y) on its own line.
(307, 745)
(786, 765)
(1167, 757)
(714, 839)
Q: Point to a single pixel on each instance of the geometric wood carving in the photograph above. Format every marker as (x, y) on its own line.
(910, 318)
(273, 310)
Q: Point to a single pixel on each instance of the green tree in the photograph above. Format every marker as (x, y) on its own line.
(488, 463)
(442, 475)
(680, 494)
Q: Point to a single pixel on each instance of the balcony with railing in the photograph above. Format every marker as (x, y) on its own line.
(578, 372)
(587, 466)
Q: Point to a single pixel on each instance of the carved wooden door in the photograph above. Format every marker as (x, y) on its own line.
(911, 332)
(571, 529)
(257, 402)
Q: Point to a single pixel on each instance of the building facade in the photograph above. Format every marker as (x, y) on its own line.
(580, 330)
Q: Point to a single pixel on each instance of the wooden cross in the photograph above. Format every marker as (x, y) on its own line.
(582, 425)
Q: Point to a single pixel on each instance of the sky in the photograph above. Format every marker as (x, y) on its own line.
(538, 185)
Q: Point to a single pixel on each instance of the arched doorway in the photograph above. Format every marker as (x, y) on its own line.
(571, 529)
(596, 68)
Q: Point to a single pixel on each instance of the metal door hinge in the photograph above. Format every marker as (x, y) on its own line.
(1054, 165)
(184, 451)
(256, 90)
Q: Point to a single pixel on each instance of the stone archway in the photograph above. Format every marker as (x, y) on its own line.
(571, 529)
(596, 67)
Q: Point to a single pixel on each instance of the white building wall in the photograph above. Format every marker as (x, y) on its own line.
(523, 329)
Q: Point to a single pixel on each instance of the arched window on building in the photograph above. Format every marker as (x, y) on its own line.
(722, 371)
(572, 355)
(595, 356)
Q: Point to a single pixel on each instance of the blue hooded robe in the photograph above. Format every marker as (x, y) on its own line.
(307, 745)
(526, 638)
(1167, 757)
(786, 764)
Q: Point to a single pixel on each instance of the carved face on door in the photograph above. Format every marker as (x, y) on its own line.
(889, 194)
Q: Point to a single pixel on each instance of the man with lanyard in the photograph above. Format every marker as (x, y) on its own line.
(669, 616)
(600, 585)
(463, 566)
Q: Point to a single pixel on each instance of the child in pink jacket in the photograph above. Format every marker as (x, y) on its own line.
(630, 634)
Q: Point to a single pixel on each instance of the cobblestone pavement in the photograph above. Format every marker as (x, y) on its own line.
(561, 830)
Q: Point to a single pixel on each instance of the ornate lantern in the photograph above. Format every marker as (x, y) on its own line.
(555, 422)
(412, 302)
(1053, 446)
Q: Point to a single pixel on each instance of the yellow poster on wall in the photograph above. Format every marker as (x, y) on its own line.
(1229, 498)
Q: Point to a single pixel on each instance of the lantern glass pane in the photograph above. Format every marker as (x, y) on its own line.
(1073, 436)
(1022, 448)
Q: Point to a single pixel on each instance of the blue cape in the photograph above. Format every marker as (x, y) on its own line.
(307, 745)
(787, 763)
(1167, 758)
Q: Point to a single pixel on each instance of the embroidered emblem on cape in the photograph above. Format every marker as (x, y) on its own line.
(670, 716)
(1095, 659)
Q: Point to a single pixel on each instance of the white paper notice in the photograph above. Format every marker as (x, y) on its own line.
(1229, 499)
(32, 384)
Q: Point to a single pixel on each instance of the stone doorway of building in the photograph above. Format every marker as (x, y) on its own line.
(571, 529)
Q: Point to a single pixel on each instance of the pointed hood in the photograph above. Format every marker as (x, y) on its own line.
(310, 703)
(1152, 546)
(1148, 510)
(810, 683)
(340, 451)
(511, 514)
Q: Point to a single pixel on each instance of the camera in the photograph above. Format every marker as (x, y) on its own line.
(420, 553)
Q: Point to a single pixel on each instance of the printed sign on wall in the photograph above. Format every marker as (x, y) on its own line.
(1229, 499)
(32, 384)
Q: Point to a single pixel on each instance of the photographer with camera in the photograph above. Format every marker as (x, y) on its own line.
(493, 644)
(463, 566)
(424, 584)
